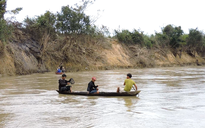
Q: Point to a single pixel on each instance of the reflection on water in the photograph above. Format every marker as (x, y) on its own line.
(170, 97)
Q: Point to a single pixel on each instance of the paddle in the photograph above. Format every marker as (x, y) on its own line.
(71, 81)
(60, 64)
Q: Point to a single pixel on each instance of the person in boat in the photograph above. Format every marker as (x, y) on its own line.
(63, 70)
(58, 70)
(62, 84)
(128, 84)
(91, 86)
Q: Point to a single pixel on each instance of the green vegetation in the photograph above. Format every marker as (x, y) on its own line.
(173, 34)
(2, 8)
(69, 36)
(6, 27)
(195, 38)
(40, 26)
(5, 30)
(72, 22)
(171, 37)
(128, 37)
(3, 24)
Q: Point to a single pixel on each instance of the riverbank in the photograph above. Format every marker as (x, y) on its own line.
(24, 56)
(70, 38)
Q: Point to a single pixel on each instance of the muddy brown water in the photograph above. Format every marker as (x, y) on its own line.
(170, 97)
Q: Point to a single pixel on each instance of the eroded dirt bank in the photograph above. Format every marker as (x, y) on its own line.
(28, 56)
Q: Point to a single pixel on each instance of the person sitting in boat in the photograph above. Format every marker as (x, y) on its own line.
(58, 70)
(128, 84)
(91, 86)
(63, 69)
(62, 84)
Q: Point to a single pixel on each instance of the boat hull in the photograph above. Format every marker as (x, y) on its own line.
(58, 73)
(101, 93)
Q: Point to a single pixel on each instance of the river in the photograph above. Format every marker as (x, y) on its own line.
(169, 97)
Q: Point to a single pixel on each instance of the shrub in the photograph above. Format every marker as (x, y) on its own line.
(5, 30)
(2, 8)
(173, 34)
(148, 41)
(137, 38)
(72, 20)
(128, 37)
(124, 36)
(195, 38)
(161, 39)
(42, 25)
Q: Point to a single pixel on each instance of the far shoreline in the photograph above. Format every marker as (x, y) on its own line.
(115, 68)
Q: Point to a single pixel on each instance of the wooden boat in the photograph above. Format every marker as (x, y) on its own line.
(101, 93)
(58, 73)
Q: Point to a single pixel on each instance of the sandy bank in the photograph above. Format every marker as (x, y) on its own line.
(26, 57)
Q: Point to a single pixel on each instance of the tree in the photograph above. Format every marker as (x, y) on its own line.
(173, 34)
(128, 37)
(124, 36)
(162, 39)
(73, 20)
(44, 24)
(5, 30)
(149, 41)
(195, 39)
(137, 37)
(6, 27)
(2, 8)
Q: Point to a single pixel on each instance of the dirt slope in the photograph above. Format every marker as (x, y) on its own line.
(26, 58)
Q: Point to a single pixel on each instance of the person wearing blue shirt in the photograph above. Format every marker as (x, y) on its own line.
(58, 70)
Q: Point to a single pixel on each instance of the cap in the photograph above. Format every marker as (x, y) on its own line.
(93, 78)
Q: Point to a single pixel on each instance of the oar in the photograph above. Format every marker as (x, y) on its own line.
(60, 64)
(71, 81)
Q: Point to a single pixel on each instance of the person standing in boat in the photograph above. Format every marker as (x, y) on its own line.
(128, 84)
(62, 84)
(61, 67)
(91, 86)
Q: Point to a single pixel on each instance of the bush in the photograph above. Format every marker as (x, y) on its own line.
(2, 8)
(195, 38)
(72, 20)
(173, 34)
(184, 39)
(128, 37)
(5, 30)
(42, 25)
(148, 41)
(161, 39)
(124, 36)
(137, 38)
